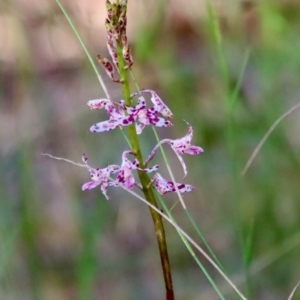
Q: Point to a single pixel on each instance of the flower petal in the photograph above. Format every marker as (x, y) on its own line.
(113, 52)
(139, 128)
(182, 163)
(90, 185)
(97, 103)
(157, 121)
(194, 150)
(126, 52)
(105, 125)
(111, 110)
(104, 187)
(129, 181)
(159, 105)
(141, 105)
(126, 177)
(100, 177)
(111, 169)
(112, 124)
(108, 66)
(164, 186)
(149, 170)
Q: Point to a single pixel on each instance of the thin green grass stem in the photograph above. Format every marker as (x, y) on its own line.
(229, 104)
(30, 222)
(218, 39)
(178, 193)
(203, 239)
(246, 239)
(92, 62)
(185, 208)
(190, 240)
(190, 249)
(234, 94)
(266, 136)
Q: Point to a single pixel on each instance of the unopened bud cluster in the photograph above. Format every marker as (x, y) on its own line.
(116, 38)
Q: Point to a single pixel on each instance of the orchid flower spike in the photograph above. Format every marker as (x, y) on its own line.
(100, 177)
(180, 146)
(125, 175)
(164, 186)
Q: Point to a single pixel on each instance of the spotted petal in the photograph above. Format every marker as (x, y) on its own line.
(157, 121)
(125, 175)
(145, 116)
(97, 103)
(90, 185)
(164, 186)
(134, 110)
(108, 66)
(180, 146)
(183, 145)
(159, 105)
(100, 177)
(106, 125)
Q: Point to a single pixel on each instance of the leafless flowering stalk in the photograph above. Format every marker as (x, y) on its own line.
(124, 113)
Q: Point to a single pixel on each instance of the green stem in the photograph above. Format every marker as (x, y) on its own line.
(144, 179)
(190, 249)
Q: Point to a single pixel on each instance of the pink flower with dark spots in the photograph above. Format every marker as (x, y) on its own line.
(125, 115)
(117, 115)
(100, 177)
(164, 186)
(159, 105)
(97, 103)
(125, 175)
(146, 116)
(180, 146)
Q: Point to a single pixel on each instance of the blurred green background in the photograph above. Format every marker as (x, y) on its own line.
(57, 242)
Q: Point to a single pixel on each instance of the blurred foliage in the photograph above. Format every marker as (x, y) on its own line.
(60, 243)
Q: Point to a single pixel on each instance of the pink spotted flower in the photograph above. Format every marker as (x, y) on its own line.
(125, 115)
(164, 186)
(100, 177)
(159, 105)
(117, 115)
(125, 175)
(147, 116)
(180, 146)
